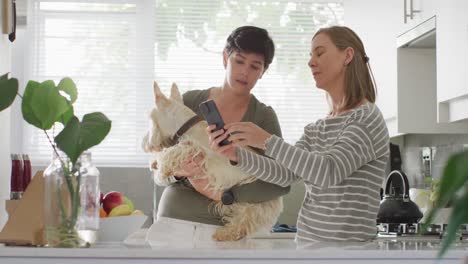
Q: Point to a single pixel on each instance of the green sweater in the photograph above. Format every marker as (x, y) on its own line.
(181, 201)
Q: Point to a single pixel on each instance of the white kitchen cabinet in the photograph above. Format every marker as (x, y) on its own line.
(408, 78)
(418, 70)
(414, 12)
(452, 60)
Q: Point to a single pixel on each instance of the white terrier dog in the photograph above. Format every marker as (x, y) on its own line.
(169, 115)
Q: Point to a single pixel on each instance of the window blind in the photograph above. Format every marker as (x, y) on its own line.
(114, 49)
(190, 37)
(107, 48)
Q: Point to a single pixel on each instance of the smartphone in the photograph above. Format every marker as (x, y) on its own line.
(213, 117)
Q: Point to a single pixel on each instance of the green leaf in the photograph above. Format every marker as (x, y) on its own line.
(66, 116)
(454, 177)
(458, 217)
(8, 91)
(78, 136)
(4, 77)
(68, 86)
(26, 108)
(43, 105)
(68, 139)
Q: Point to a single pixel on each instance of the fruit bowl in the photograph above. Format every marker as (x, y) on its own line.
(117, 228)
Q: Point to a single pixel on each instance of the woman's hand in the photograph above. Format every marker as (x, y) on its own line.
(200, 185)
(215, 137)
(191, 168)
(247, 134)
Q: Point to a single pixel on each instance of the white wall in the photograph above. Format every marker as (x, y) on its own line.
(5, 165)
(17, 52)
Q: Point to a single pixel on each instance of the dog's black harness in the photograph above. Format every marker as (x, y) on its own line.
(184, 128)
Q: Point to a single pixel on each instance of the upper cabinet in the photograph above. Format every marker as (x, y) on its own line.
(452, 60)
(403, 40)
(414, 12)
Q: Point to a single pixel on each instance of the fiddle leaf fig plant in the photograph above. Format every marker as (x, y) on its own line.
(43, 105)
(453, 189)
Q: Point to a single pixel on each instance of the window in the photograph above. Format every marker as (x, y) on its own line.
(114, 49)
(190, 36)
(106, 47)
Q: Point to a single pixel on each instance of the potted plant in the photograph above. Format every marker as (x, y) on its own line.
(43, 105)
(453, 190)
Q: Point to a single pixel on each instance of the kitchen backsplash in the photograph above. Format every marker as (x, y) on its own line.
(442, 146)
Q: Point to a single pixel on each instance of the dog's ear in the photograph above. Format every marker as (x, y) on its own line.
(158, 95)
(175, 94)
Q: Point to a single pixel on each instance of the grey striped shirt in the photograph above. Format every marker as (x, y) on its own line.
(342, 161)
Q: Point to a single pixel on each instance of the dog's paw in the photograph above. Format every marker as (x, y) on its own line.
(228, 234)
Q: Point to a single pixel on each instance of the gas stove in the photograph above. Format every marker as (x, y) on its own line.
(408, 230)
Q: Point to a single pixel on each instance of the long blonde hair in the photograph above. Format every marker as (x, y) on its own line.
(359, 80)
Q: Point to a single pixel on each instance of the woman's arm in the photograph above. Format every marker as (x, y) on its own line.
(248, 134)
(264, 168)
(353, 150)
(261, 191)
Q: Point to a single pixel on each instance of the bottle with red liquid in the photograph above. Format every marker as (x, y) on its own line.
(16, 179)
(26, 171)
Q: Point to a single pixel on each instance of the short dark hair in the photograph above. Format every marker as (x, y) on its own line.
(251, 39)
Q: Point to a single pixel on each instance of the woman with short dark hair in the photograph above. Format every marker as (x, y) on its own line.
(248, 52)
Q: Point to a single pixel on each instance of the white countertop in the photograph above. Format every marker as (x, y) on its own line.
(383, 250)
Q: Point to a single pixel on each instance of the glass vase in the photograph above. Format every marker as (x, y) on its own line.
(71, 196)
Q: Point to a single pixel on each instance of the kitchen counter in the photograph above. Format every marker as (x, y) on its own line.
(381, 250)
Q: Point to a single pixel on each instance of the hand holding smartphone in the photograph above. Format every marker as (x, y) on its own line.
(213, 117)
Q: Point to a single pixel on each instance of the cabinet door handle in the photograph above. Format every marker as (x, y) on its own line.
(412, 11)
(405, 15)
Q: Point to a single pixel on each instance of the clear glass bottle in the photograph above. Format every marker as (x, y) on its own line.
(88, 219)
(71, 208)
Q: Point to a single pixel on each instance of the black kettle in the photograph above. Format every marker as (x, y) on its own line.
(396, 206)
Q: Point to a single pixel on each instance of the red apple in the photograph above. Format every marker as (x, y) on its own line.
(111, 200)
